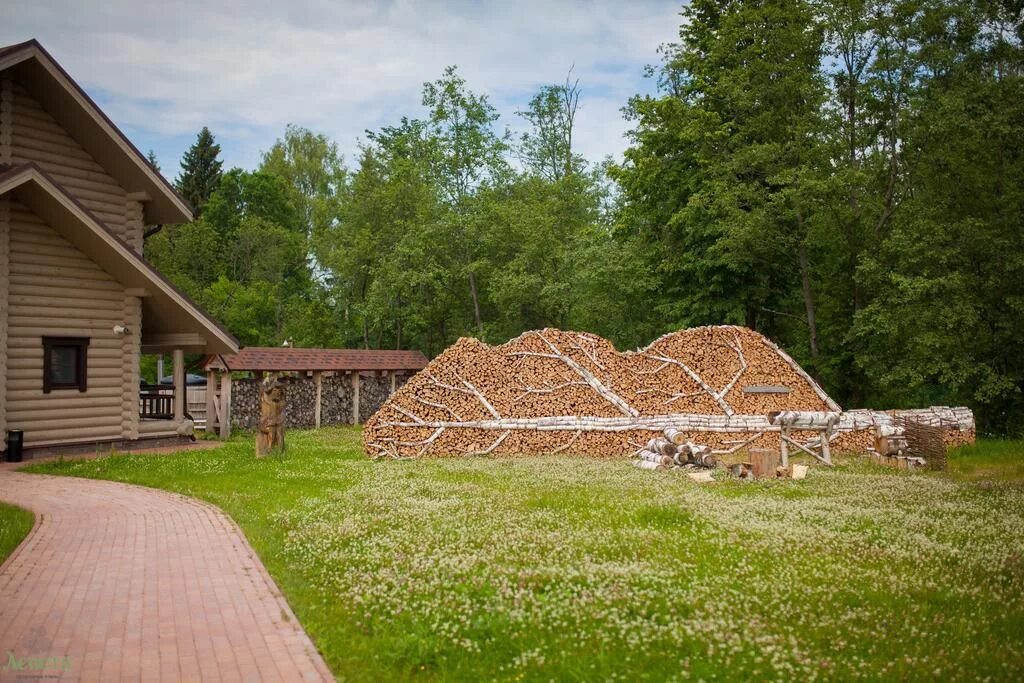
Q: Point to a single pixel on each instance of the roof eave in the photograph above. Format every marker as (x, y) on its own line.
(219, 340)
(165, 205)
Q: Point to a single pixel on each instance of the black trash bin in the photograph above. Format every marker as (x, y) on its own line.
(15, 442)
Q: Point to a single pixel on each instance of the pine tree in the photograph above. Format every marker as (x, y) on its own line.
(153, 161)
(200, 170)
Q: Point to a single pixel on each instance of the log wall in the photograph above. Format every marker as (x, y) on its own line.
(55, 290)
(37, 137)
(5, 229)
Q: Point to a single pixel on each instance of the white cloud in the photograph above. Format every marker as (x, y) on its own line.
(165, 69)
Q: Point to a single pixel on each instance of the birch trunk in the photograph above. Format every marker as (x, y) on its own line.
(812, 323)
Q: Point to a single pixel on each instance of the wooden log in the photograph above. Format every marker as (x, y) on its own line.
(676, 436)
(742, 470)
(225, 405)
(318, 398)
(211, 402)
(706, 460)
(355, 397)
(764, 462)
(604, 402)
(651, 456)
(648, 465)
(803, 419)
(662, 445)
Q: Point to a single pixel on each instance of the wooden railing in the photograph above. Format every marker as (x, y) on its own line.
(156, 402)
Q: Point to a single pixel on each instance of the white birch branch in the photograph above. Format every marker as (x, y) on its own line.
(587, 376)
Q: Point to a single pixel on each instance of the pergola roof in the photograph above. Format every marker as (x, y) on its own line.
(287, 359)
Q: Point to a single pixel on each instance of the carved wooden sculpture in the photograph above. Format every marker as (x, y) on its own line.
(270, 436)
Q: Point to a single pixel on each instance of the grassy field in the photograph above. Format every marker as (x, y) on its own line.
(570, 569)
(15, 524)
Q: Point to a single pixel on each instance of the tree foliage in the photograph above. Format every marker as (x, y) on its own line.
(200, 170)
(843, 175)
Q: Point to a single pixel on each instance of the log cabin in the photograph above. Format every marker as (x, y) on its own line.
(78, 302)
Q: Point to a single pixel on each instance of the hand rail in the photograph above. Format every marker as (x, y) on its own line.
(154, 404)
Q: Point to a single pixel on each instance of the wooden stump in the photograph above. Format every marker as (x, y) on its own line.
(270, 436)
(765, 462)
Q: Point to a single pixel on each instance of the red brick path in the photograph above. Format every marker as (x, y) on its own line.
(120, 582)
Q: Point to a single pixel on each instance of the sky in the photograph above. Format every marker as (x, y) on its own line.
(162, 70)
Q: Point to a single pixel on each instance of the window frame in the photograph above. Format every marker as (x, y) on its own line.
(81, 345)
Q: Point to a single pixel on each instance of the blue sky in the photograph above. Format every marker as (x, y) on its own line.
(162, 70)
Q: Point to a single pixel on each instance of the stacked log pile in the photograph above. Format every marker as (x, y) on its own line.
(373, 392)
(336, 400)
(552, 391)
(298, 413)
(673, 451)
(911, 443)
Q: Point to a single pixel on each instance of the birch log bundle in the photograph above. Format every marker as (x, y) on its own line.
(664, 454)
(552, 391)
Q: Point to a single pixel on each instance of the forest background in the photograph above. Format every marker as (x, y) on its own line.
(844, 176)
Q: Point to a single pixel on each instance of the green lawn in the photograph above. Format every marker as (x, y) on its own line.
(15, 524)
(574, 569)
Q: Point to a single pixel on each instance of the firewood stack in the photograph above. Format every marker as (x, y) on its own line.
(552, 391)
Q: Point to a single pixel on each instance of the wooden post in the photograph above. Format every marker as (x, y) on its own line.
(784, 446)
(393, 374)
(318, 381)
(826, 449)
(211, 402)
(225, 405)
(355, 397)
(179, 386)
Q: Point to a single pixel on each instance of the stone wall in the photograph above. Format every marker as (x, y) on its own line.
(335, 400)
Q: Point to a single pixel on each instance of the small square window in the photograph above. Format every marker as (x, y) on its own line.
(65, 363)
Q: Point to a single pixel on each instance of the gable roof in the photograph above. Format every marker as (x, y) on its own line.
(287, 359)
(48, 82)
(47, 199)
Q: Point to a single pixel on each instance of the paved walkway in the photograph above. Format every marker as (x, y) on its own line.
(120, 582)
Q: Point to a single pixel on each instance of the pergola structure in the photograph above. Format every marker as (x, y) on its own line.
(259, 360)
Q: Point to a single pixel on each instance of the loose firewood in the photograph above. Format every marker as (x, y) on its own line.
(676, 436)
(797, 471)
(707, 460)
(651, 456)
(742, 470)
(648, 465)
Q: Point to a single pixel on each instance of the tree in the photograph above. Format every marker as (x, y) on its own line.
(151, 158)
(311, 164)
(467, 152)
(945, 320)
(720, 181)
(200, 170)
(546, 149)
